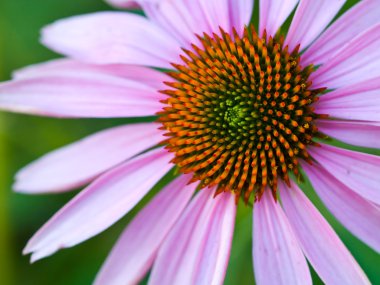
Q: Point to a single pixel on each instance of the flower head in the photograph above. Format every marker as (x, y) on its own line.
(240, 113)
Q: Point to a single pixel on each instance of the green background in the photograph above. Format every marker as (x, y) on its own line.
(25, 138)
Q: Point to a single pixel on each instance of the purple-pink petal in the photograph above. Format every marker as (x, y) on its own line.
(310, 19)
(357, 214)
(321, 245)
(112, 37)
(217, 14)
(181, 19)
(227, 14)
(361, 17)
(358, 61)
(81, 162)
(277, 255)
(366, 134)
(273, 14)
(184, 19)
(240, 13)
(53, 89)
(137, 76)
(359, 101)
(359, 171)
(101, 204)
(197, 249)
(136, 249)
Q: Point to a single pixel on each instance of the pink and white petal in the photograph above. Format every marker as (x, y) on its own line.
(359, 171)
(181, 19)
(85, 94)
(184, 19)
(277, 255)
(137, 76)
(360, 101)
(366, 134)
(81, 162)
(240, 13)
(144, 235)
(101, 204)
(112, 37)
(321, 245)
(357, 214)
(227, 14)
(217, 246)
(311, 18)
(361, 17)
(218, 14)
(197, 249)
(273, 14)
(356, 62)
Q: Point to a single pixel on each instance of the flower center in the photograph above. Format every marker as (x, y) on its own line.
(238, 113)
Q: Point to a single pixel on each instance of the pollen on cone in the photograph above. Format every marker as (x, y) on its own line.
(238, 113)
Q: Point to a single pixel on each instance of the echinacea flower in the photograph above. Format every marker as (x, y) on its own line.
(243, 115)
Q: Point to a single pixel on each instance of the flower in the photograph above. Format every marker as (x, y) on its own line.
(242, 115)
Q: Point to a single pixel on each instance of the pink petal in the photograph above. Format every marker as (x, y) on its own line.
(136, 249)
(361, 17)
(71, 89)
(277, 256)
(137, 75)
(227, 14)
(241, 13)
(365, 134)
(358, 171)
(321, 245)
(81, 162)
(100, 205)
(356, 62)
(357, 214)
(273, 14)
(311, 18)
(217, 13)
(112, 37)
(184, 19)
(197, 249)
(360, 101)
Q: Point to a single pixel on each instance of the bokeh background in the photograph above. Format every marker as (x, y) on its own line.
(25, 138)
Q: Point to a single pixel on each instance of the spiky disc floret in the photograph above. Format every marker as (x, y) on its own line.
(238, 113)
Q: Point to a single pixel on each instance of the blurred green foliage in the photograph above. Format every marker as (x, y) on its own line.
(25, 138)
